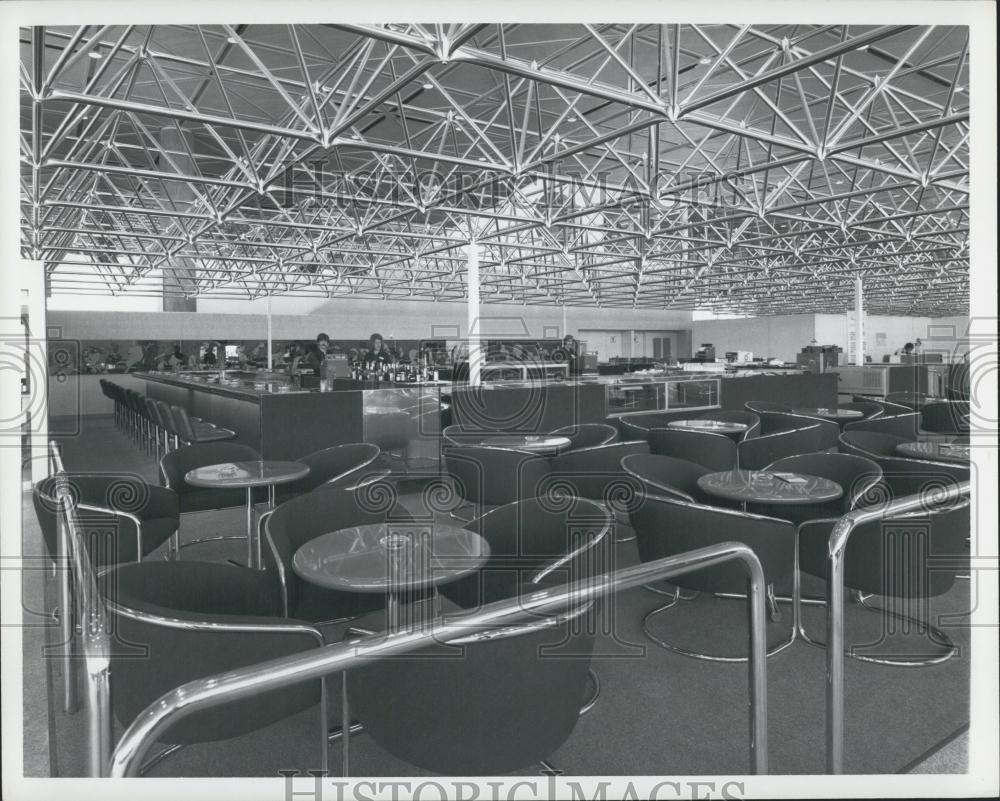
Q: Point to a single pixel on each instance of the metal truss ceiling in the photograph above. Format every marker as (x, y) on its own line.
(753, 169)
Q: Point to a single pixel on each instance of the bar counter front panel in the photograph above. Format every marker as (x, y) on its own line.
(280, 425)
(528, 407)
(799, 391)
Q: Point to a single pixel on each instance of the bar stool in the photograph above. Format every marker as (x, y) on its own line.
(120, 406)
(136, 408)
(107, 389)
(172, 428)
(160, 433)
(193, 433)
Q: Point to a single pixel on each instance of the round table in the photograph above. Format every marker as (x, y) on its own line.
(839, 415)
(542, 445)
(240, 475)
(709, 426)
(390, 558)
(383, 410)
(762, 486)
(935, 451)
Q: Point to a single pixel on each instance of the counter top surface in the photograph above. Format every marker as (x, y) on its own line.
(253, 386)
(250, 386)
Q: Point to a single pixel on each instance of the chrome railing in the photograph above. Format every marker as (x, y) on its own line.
(83, 630)
(836, 550)
(93, 650)
(248, 682)
(63, 569)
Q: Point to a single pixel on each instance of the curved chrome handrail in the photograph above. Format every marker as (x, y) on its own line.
(836, 550)
(95, 646)
(247, 682)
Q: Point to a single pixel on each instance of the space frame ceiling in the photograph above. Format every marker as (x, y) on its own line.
(751, 169)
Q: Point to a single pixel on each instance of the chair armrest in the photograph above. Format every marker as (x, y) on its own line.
(364, 481)
(357, 631)
(90, 507)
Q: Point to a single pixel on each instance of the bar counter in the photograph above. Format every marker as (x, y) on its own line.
(286, 422)
(279, 421)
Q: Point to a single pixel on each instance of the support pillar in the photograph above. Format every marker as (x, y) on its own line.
(179, 272)
(270, 363)
(472, 283)
(859, 321)
(35, 405)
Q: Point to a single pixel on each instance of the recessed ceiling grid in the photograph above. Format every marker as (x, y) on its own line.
(755, 169)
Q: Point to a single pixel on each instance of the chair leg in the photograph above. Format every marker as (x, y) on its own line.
(181, 545)
(458, 517)
(676, 592)
(697, 654)
(595, 680)
(935, 635)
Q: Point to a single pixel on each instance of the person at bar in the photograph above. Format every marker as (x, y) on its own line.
(317, 354)
(296, 359)
(177, 358)
(208, 357)
(377, 353)
(568, 353)
(259, 355)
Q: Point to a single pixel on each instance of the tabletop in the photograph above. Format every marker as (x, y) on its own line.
(383, 410)
(246, 474)
(936, 451)
(535, 444)
(762, 486)
(386, 557)
(711, 426)
(832, 413)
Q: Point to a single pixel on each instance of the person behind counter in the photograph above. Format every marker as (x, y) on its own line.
(298, 354)
(377, 352)
(568, 352)
(317, 354)
(906, 350)
(177, 358)
(208, 357)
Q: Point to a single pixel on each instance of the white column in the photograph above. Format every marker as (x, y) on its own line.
(36, 360)
(472, 282)
(859, 321)
(269, 362)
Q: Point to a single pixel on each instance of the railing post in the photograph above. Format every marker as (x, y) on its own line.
(99, 722)
(836, 552)
(757, 669)
(67, 612)
(835, 657)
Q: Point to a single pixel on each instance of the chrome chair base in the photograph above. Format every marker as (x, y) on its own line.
(200, 540)
(677, 649)
(595, 680)
(677, 593)
(455, 516)
(935, 636)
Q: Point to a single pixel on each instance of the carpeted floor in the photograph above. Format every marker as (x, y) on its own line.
(658, 714)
